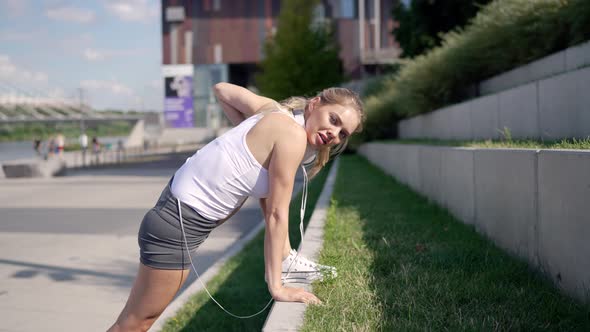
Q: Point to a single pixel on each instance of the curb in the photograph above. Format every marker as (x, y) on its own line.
(288, 316)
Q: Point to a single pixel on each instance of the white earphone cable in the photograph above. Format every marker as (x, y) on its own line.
(302, 214)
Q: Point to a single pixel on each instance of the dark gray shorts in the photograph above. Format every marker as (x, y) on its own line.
(161, 244)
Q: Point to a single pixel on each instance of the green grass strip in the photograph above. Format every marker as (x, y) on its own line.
(239, 286)
(573, 143)
(405, 264)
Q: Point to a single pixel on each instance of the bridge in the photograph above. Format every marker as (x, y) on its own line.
(21, 107)
(25, 104)
(52, 111)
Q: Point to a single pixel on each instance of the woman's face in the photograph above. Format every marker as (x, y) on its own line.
(328, 125)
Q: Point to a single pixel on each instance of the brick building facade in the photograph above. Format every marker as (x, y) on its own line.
(224, 39)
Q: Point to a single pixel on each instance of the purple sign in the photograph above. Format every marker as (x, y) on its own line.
(178, 102)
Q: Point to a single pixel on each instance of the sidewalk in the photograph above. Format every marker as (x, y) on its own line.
(68, 245)
(58, 164)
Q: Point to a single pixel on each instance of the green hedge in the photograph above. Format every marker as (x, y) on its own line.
(505, 34)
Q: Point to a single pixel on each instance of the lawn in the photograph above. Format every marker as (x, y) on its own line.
(405, 264)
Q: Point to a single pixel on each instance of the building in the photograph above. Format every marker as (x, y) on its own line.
(210, 41)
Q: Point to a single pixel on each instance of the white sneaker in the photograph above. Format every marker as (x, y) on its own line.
(297, 268)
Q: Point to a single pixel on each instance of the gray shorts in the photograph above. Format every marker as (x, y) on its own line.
(161, 244)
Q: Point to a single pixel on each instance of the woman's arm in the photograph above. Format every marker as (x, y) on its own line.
(287, 245)
(238, 103)
(288, 151)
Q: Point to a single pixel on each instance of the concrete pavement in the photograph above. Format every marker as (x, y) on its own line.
(68, 245)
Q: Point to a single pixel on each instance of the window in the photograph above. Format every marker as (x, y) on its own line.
(347, 9)
(217, 53)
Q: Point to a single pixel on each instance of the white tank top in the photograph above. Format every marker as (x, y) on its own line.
(224, 173)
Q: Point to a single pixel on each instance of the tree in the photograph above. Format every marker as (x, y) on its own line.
(302, 58)
(422, 21)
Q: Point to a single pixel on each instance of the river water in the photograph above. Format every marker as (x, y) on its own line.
(24, 149)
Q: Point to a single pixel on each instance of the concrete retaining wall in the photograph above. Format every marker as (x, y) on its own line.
(505, 199)
(485, 117)
(551, 106)
(554, 64)
(564, 105)
(458, 190)
(532, 203)
(28, 168)
(564, 221)
(137, 135)
(518, 111)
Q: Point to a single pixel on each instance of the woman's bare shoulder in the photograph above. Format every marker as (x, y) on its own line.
(281, 124)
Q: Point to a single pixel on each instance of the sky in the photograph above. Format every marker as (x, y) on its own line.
(109, 50)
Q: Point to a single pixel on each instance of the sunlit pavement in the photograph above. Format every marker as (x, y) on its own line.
(68, 245)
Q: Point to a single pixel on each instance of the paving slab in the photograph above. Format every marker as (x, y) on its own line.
(68, 246)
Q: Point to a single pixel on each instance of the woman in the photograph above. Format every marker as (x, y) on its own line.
(259, 157)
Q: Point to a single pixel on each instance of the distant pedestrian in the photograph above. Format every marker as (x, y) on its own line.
(95, 148)
(51, 146)
(120, 149)
(83, 146)
(95, 145)
(37, 146)
(60, 143)
(83, 142)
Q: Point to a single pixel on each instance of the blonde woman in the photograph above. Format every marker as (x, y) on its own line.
(257, 158)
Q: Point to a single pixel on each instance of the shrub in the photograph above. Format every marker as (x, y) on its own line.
(302, 58)
(505, 34)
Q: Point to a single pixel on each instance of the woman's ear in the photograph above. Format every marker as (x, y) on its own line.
(313, 103)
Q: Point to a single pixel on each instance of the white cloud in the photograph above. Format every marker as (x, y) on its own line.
(156, 84)
(15, 7)
(71, 14)
(113, 87)
(57, 93)
(134, 10)
(55, 96)
(92, 54)
(111, 94)
(77, 40)
(9, 36)
(10, 72)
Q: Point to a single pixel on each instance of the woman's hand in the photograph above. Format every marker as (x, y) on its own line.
(288, 294)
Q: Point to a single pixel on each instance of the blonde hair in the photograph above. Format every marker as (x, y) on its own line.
(330, 96)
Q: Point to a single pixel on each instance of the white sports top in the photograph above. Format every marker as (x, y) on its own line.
(221, 175)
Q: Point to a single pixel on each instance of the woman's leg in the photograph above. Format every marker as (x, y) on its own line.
(152, 291)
